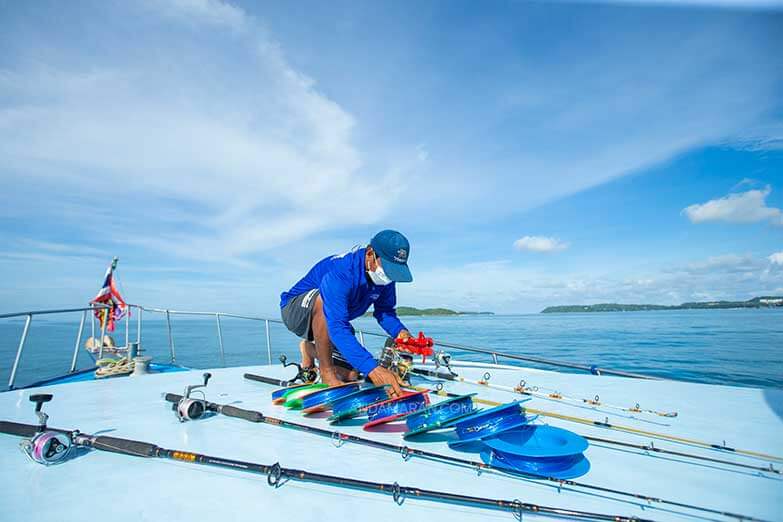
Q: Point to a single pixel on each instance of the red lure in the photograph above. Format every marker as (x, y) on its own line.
(416, 345)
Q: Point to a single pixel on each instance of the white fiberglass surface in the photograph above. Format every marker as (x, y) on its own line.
(127, 488)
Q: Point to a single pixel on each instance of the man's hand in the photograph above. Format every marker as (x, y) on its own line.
(380, 376)
(404, 334)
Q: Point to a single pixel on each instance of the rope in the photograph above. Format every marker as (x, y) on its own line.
(112, 367)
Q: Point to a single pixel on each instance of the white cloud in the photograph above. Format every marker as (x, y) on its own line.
(242, 146)
(776, 258)
(540, 244)
(742, 207)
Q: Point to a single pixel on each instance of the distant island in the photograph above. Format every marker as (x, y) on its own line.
(409, 310)
(756, 302)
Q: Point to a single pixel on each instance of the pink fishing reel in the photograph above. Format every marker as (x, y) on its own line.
(46, 447)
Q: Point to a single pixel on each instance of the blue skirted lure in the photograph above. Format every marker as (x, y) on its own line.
(356, 403)
(440, 415)
(321, 400)
(395, 409)
(487, 423)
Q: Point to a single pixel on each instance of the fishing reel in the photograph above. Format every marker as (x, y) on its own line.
(443, 359)
(189, 408)
(398, 362)
(46, 447)
(305, 375)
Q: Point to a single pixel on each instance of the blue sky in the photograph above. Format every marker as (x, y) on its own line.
(535, 153)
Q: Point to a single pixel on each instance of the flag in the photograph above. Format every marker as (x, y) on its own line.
(109, 295)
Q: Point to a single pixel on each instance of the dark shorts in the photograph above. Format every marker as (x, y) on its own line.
(297, 316)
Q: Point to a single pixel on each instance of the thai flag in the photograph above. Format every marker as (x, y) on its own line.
(109, 295)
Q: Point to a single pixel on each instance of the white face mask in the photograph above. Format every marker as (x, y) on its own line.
(379, 277)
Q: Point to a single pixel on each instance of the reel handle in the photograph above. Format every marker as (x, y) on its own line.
(39, 400)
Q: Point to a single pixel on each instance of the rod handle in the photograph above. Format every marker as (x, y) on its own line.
(20, 430)
(266, 380)
(125, 446)
(248, 415)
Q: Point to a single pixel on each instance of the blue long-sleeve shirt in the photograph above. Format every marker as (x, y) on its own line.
(346, 295)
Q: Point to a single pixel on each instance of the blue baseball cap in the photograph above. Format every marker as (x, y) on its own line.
(393, 249)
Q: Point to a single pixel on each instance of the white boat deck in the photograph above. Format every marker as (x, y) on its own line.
(122, 488)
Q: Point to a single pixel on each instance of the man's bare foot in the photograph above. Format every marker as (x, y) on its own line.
(329, 377)
(346, 374)
(307, 351)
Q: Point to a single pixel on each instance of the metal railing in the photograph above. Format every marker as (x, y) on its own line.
(29, 319)
(217, 315)
(495, 355)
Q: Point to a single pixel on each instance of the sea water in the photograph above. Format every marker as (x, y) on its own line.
(736, 347)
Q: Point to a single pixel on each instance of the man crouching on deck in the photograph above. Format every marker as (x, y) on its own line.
(341, 288)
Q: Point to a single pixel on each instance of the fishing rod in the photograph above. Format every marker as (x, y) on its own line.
(644, 447)
(407, 452)
(603, 424)
(278, 475)
(593, 403)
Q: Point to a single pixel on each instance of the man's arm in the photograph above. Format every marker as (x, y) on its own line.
(335, 288)
(386, 315)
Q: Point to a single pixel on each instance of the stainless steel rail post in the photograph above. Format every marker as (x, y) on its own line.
(268, 341)
(220, 340)
(127, 330)
(103, 333)
(361, 338)
(171, 337)
(78, 342)
(138, 324)
(19, 351)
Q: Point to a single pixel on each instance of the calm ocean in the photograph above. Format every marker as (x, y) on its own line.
(737, 347)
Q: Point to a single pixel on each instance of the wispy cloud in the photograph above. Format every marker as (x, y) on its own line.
(540, 244)
(776, 258)
(254, 155)
(741, 207)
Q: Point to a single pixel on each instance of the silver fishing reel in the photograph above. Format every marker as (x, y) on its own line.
(443, 359)
(46, 447)
(189, 408)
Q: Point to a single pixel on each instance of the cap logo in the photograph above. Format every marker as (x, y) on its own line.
(402, 255)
